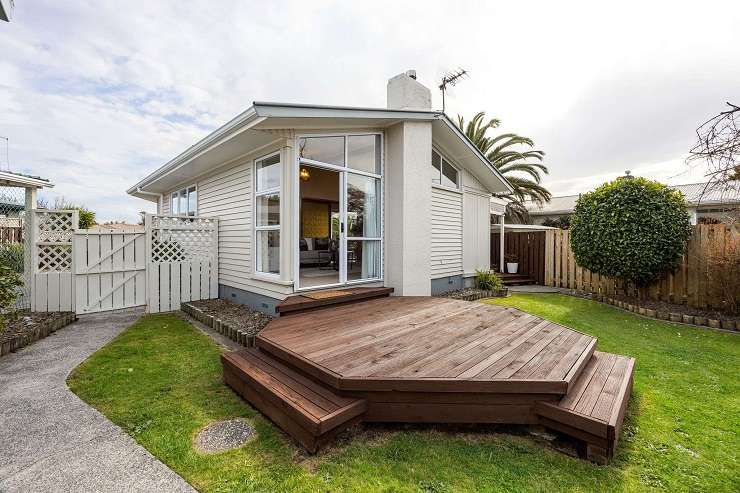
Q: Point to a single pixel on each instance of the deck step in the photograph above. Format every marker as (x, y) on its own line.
(302, 303)
(308, 411)
(593, 409)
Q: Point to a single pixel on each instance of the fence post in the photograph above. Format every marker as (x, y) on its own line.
(147, 258)
(214, 259)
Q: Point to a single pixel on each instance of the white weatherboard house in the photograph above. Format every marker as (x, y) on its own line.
(314, 197)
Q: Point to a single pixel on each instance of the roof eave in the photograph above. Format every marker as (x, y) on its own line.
(16, 180)
(241, 122)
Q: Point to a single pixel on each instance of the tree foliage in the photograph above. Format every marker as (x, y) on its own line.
(631, 228)
(522, 168)
(87, 217)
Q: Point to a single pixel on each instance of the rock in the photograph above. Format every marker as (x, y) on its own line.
(223, 435)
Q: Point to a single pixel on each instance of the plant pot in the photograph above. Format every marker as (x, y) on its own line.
(512, 267)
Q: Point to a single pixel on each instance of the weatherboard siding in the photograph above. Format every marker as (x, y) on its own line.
(447, 233)
(227, 194)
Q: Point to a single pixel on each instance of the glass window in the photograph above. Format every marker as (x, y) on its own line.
(449, 175)
(184, 202)
(443, 173)
(267, 215)
(323, 149)
(268, 173)
(363, 153)
(363, 259)
(436, 167)
(268, 209)
(268, 251)
(363, 206)
(192, 201)
(183, 196)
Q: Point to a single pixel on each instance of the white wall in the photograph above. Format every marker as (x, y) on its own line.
(408, 197)
(447, 233)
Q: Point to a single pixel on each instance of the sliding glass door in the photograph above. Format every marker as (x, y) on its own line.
(339, 210)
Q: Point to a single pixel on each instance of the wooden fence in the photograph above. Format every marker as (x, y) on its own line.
(695, 282)
(11, 234)
(529, 248)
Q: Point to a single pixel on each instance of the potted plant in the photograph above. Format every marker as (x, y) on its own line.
(512, 263)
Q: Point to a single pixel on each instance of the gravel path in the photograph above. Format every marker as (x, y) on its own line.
(53, 441)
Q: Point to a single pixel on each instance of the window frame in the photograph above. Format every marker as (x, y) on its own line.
(184, 192)
(270, 227)
(344, 171)
(443, 157)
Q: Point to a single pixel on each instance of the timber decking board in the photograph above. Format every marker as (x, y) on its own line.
(596, 402)
(298, 303)
(309, 404)
(423, 343)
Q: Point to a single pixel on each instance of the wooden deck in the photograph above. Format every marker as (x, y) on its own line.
(421, 359)
(430, 344)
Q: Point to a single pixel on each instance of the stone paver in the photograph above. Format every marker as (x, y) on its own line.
(50, 440)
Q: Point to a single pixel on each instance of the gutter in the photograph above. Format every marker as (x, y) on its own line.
(159, 196)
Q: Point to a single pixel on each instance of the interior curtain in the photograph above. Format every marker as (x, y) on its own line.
(371, 212)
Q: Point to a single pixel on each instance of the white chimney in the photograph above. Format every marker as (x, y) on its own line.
(406, 93)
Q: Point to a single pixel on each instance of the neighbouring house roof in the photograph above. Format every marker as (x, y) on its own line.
(259, 125)
(696, 194)
(10, 179)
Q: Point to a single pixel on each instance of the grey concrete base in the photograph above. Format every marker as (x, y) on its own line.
(50, 440)
(255, 301)
(446, 284)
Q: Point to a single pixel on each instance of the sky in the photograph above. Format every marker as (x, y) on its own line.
(94, 95)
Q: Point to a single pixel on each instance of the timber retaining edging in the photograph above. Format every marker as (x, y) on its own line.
(38, 333)
(236, 335)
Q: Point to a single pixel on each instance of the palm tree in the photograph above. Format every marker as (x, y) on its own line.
(523, 169)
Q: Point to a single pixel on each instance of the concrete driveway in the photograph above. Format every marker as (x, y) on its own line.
(52, 441)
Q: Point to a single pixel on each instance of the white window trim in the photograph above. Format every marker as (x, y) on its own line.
(458, 188)
(297, 161)
(258, 274)
(187, 200)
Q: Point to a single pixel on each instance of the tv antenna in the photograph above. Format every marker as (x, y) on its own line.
(451, 79)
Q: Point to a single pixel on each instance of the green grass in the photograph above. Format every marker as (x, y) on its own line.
(161, 381)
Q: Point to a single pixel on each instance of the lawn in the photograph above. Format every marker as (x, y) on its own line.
(161, 381)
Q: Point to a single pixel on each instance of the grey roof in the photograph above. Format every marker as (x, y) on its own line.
(696, 194)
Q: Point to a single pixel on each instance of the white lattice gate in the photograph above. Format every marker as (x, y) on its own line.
(172, 259)
(183, 253)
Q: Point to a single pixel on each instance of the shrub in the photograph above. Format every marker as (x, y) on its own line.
(631, 228)
(87, 217)
(11, 254)
(511, 258)
(488, 280)
(10, 281)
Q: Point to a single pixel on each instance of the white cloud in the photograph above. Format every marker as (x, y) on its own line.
(94, 96)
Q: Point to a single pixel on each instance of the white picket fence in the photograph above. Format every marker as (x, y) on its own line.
(172, 259)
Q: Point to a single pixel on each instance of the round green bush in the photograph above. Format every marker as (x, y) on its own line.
(631, 228)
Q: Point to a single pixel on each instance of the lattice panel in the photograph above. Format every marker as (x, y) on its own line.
(54, 226)
(181, 239)
(54, 258)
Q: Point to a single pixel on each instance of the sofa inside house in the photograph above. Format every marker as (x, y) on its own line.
(316, 251)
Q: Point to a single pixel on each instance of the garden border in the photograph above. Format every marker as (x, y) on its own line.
(729, 326)
(38, 333)
(236, 335)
